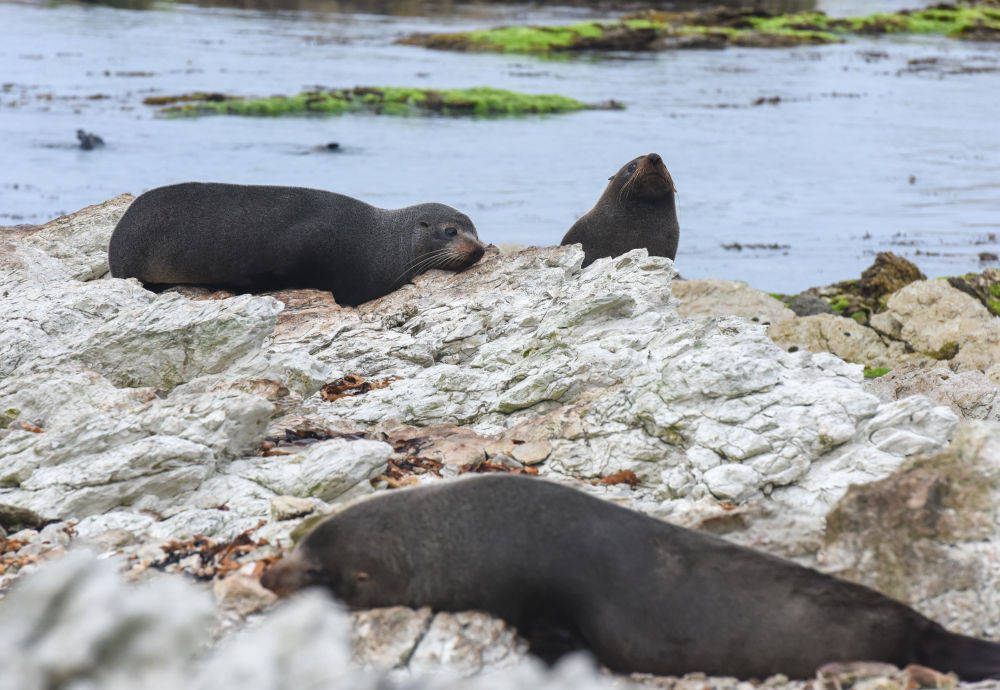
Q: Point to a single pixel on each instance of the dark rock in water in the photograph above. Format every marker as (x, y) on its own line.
(808, 304)
(333, 146)
(859, 299)
(88, 140)
(888, 274)
(984, 286)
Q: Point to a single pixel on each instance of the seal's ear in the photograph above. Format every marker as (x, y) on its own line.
(611, 178)
(424, 224)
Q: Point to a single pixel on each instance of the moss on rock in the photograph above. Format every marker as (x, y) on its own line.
(718, 27)
(480, 101)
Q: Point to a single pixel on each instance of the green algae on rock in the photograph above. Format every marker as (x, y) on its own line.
(718, 28)
(480, 101)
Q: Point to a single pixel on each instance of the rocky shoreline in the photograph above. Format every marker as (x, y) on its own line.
(188, 432)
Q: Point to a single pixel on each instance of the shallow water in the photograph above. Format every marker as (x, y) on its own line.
(861, 154)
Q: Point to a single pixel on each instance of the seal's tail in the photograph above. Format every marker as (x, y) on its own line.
(971, 658)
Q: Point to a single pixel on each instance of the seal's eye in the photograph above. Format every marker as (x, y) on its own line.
(632, 166)
(450, 232)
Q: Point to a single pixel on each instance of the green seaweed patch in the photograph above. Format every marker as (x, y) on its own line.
(656, 30)
(860, 316)
(875, 372)
(630, 34)
(531, 39)
(955, 22)
(480, 101)
(838, 304)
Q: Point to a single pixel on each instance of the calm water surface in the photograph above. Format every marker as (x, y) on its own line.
(864, 151)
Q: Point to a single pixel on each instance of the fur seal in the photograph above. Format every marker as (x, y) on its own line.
(88, 140)
(261, 238)
(636, 211)
(641, 594)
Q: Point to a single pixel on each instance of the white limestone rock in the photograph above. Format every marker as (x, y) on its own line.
(324, 470)
(73, 623)
(80, 240)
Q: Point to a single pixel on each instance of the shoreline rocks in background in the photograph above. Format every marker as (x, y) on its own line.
(187, 431)
(939, 338)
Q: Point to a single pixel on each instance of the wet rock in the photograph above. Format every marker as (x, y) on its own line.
(807, 304)
(862, 298)
(983, 286)
(844, 338)
(936, 319)
(927, 534)
(710, 297)
(888, 274)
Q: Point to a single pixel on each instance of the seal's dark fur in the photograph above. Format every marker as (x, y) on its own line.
(636, 211)
(643, 595)
(257, 238)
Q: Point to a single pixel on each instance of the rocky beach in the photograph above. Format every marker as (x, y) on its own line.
(157, 451)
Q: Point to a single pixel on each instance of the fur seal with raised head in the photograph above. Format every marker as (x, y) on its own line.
(259, 238)
(641, 594)
(636, 211)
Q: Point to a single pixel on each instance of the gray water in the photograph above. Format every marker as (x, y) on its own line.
(861, 154)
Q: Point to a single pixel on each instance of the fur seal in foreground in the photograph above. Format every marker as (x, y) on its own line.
(257, 238)
(636, 211)
(641, 594)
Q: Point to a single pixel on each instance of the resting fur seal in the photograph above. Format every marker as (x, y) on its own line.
(643, 595)
(258, 238)
(636, 211)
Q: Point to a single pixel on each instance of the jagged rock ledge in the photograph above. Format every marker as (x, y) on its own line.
(154, 426)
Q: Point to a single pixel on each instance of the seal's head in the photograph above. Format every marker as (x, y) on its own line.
(645, 177)
(444, 238)
(339, 554)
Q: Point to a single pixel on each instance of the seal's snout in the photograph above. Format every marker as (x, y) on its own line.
(287, 575)
(473, 251)
(654, 158)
